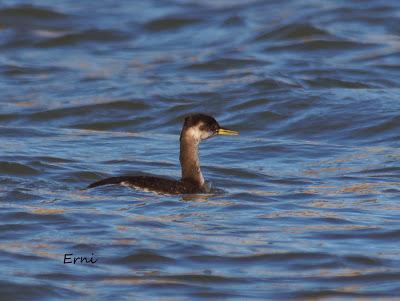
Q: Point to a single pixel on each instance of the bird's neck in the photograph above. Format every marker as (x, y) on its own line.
(189, 158)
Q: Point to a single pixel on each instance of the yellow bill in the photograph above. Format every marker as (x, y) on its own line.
(227, 132)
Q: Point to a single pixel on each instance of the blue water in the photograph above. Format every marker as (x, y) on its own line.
(307, 207)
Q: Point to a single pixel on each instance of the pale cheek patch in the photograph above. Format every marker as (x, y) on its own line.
(194, 132)
(197, 134)
(205, 135)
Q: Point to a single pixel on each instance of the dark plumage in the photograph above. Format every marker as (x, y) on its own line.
(197, 127)
(152, 183)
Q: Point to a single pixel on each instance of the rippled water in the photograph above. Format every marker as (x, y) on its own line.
(310, 202)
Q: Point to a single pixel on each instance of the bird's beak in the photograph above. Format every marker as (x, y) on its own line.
(227, 132)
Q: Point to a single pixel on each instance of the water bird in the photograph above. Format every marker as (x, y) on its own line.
(196, 128)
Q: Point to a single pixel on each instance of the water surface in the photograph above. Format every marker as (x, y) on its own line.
(309, 203)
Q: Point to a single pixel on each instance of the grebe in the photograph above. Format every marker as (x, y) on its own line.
(196, 128)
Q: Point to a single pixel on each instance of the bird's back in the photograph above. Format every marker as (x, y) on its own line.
(152, 183)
